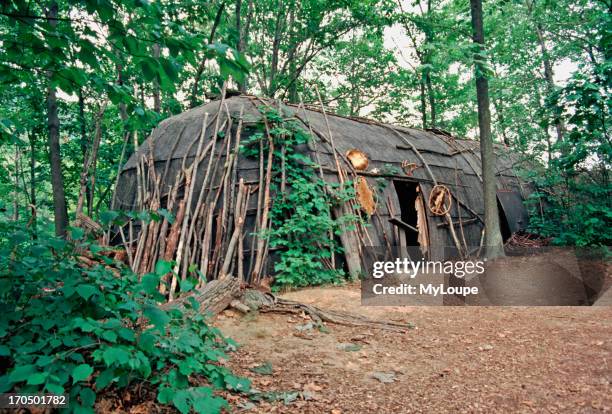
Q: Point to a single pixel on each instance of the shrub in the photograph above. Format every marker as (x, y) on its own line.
(67, 328)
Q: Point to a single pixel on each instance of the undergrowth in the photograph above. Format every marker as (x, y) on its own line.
(67, 328)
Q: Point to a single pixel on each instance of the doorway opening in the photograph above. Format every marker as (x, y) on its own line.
(407, 194)
(504, 227)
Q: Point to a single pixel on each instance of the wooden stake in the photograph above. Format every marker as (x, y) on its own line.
(240, 215)
(192, 177)
(261, 239)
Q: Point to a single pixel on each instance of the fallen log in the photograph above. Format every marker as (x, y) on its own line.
(214, 297)
(220, 294)
(269, 303)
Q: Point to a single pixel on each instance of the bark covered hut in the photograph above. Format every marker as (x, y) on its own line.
(224, 173)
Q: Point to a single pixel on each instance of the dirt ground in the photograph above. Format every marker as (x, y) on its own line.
(453, 359)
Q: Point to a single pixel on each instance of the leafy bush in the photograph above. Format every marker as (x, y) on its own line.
(575, 189)
(70, 328)
(573, 212)
(301, 223)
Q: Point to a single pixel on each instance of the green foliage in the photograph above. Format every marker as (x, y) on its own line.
(301, 218)
(576, 189)
(573, 213)
(67, 328)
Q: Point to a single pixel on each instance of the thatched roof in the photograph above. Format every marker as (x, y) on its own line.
(380, 141)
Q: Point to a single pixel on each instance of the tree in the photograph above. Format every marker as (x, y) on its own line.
(55, 159)
(493, 240)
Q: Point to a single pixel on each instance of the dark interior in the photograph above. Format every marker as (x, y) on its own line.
(503, 223)
(407, 194)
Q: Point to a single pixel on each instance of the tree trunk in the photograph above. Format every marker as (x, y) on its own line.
(84, 143)
(202, 66)
(432, 98)
(240, 45)
(493, 239)
(156, 90)
(33, 216)
(549, 76)
(57, 180)
(500, 118)
(276, 49)
(16, 190)
(292, 91)
(89, 164)
(423, 104)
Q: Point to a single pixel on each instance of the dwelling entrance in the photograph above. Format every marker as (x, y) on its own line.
(412, 222)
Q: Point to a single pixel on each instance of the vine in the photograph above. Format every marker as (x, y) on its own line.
(301, 215)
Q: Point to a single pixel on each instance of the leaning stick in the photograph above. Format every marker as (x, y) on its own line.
(220, 225)
(126, 247)
(180, 232)
(172, 242)
(260, 192)
(240, 213)
(138, 182)
(147, 231)
(206, 178)
(234, 173)
(193, 173)
(242, 219)
(154, 226)
(206, 240)
(459, 213)
(266, 205)
(159, 241)
(223, 213)
(331, 138)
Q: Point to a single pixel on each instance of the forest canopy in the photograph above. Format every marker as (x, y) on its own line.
(85, 82)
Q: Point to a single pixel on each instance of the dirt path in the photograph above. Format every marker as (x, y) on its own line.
(474, 359)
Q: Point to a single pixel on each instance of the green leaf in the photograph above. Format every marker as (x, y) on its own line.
(88, 397)
(167, 215)
(186, 285)
(127, 334)
(38, 378)
(76, 233)
(107, 217)
(181, 400)
(115, 354)
(81, 372)
(54, 388)
(157, 317)
(209, 405)
(163, 267)
(150, 282)
(5, 383)
(86, 291)
(165, 394)
(105, 378)
(169, 69)
(21, 373)
(110, 336)
(235, 383)
(146, 341)
(150, 68)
